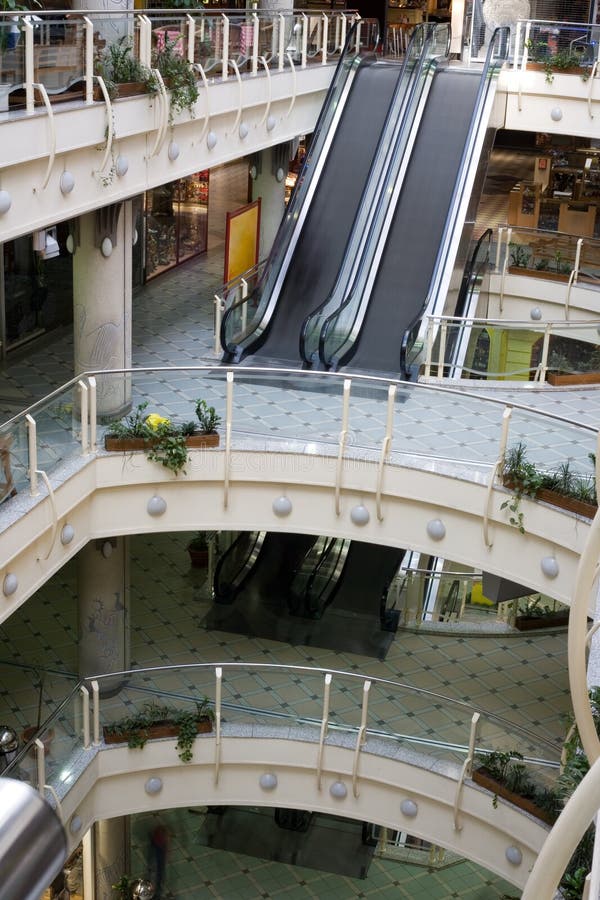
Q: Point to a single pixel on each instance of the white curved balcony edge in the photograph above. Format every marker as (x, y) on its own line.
(111, 783)
(103, 495)
(80, 131)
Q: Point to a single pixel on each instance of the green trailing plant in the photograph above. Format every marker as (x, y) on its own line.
(556, 60)
(117, 65)
(137, 726)
(207, 416)
(179, 77)
(508, 769)
(165, 441)
(525, 479)
(520, 255)
(123, 887)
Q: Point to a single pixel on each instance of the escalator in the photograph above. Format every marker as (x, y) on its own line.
(411, 264)
(339, 181)
(352, 578)
(258, 566)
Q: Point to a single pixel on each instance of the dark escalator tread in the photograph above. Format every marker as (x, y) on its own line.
(407, 263)
(368, 570)
(319, 252)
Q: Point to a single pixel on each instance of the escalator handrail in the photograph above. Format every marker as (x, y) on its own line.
(412, 66)
(294, 219)
(358, 297)
(490, 70)
(334, 579)
(235, 583)
(466, 287)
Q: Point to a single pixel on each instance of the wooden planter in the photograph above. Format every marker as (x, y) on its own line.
(573, 70)
(558, 378)
(125, 444)
(531, 623)
(160, 730)
(126, 89)
(483, 778)
(547, 274)
(198, 558)
(579, 507)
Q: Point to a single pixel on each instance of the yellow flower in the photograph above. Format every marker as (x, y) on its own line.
(154, 420)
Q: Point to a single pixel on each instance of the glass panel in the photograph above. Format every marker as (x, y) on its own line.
(12, 59)
(58, 53)
(192, 195)
(161, 229)
(208, 49)
(14, 458)
(58, 429)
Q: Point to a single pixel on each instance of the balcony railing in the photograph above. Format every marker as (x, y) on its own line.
(54, 55)
(391, 713)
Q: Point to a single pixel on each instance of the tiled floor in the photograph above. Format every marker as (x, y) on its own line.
(521, 678)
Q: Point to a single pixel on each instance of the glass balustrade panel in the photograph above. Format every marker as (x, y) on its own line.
(58, 426)
(12, 59)
(14, 458)
(58, 53)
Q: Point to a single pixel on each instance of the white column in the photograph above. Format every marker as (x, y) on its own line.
(111, 844)
(103, 592)
(102, 308)
(272, 201)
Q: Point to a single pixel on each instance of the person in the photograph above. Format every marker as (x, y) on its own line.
(159, 845)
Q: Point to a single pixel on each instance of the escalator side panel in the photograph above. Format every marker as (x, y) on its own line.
(410, 254)
(319, 252)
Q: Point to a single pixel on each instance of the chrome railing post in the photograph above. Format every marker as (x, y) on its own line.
(96, 712)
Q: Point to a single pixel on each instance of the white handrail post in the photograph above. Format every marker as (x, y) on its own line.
(218, 686)
(85, 696)
(40, 754)
(191, 38)
(517, 44)
(29, 65)
(255, 35)
(84, 415)
(225, 55)
(361, 737)
(472, 741)
(342, 443)
(325, 37)
(526, 46)
(499, 247)
(358, 30)
(429, 347)
(32, 449)
(228, 421)
(93, 413)
(96, 712)
(577, 259)
(89, 59)
(245, 306)
(385, 449)
(145, 45)
(442, 356)
(281, 50)
(343, 31)
(545, 350)
(219, 310)
(304, 44)
(324, 726)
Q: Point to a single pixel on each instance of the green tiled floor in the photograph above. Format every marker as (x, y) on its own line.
(195, 871)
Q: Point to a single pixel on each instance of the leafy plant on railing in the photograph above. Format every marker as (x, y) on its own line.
(520, 255)
(165, 441)
(136, 728)
(117, 65)
(525, 479)
(178, 75)
(556, 60)
(506, 768)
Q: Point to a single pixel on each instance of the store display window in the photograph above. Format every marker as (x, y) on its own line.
(176, 223)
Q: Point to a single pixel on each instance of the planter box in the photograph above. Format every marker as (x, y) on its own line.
(160, 730)
(558, 378)
(531, 623)
(125, 444)
(582, 71)
(579, 507)
(483, 778)
(198, 558)
(126, 89)
(547, 274)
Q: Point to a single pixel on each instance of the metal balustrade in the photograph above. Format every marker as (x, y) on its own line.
(59, 51)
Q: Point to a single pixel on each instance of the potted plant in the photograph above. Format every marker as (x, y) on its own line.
(163, 441)
(123, 74)
(156, 720)
(563, 488)
(504, 774)
(523, 261)
(198, 550)
(533, 615)
(568, 61)
(178, 75)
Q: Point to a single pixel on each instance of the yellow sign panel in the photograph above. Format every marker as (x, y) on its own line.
(241, 240)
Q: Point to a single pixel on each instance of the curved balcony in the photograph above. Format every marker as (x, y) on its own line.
(333, 740)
